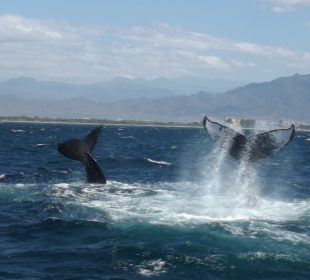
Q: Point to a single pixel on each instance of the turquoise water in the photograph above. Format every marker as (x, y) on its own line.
(175, 207)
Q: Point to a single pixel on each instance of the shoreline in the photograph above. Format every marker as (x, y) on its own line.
(104, 122)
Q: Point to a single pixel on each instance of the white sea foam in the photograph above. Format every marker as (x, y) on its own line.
(173, 204)
(160, 162)
(17, 130)
(2, 176)
(40, 145)
(176, 203)
(265, 255)
(151, 268)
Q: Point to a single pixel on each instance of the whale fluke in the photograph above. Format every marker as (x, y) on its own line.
(81, 149)
(251, 148)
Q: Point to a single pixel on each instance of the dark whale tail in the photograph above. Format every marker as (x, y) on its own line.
(81, 149)
(251, 148)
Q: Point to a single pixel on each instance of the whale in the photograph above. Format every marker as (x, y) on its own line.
(81, 150)
(250, 148)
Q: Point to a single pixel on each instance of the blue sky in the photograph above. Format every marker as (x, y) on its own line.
(89, 41)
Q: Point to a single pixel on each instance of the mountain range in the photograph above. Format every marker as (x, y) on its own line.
(118, 88)
(286, 98)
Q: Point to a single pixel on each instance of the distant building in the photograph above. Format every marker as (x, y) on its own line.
(233, 120)
(304, 126)
(247, 123)
(262, 124)
(244, 123)
(287, 122)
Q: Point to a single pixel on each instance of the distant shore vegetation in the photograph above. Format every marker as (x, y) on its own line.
(94, 121)
(36, 119)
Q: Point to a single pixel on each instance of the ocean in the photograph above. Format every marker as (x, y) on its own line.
(176, 206)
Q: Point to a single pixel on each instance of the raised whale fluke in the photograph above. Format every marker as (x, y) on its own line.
(81, 149)
(251, 148)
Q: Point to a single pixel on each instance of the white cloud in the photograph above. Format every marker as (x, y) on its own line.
(214, 62)
(282, 6)
(87, 53)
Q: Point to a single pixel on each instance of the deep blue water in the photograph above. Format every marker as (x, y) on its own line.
(175, 207)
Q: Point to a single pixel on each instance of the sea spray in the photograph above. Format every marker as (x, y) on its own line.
(229, 186)
(245, 187)
(213, 166)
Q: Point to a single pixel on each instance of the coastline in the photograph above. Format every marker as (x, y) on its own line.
(105, 122)
(39, 120)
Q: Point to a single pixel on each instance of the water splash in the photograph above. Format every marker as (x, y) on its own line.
(227, 179)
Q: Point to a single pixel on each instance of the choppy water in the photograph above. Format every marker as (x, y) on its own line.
(175, 207)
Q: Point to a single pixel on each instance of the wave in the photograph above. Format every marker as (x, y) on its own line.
(17, 130)
(160, 162)
(151, 268)
(167, 202)
(128, 137)
(179, 204)
(40, 145)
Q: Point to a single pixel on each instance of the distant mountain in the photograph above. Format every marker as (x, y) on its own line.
(188, 85)
(112, 90)
(123, 89)
(30, 88)
(283, 98)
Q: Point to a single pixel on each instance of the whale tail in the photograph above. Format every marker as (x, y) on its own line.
(253, 148)
(81, 149)
(266, 143)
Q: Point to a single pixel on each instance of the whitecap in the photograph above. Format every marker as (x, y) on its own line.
(152, 268)
(2, 176)
(62, 185)
(272, 163)
(60, 171)
(160, 162)
(266, 255)
(128, 137)
(17, 130)
(39, 145)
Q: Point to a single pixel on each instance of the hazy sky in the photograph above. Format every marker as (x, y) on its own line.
(93, 40)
